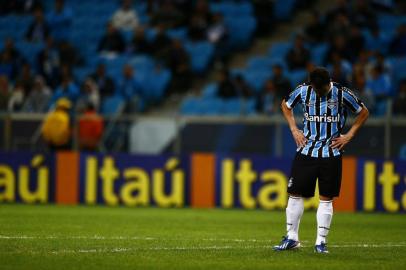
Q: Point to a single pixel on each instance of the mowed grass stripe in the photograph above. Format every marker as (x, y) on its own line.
(82, 237)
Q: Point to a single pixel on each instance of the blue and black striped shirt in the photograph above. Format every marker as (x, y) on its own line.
(323, 117)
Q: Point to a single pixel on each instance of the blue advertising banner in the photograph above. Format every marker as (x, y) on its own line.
(27, 177)
(134, 180)
(381, 185)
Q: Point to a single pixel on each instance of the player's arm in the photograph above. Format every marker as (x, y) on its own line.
(355, 105)
(297, 134)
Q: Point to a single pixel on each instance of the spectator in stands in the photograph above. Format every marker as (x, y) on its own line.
(241, 87)
(139, 43)
(179, 62)
(89, 95)
(56, 129)
(338, 74)
(377, 40)
(17, 98)
(68, 89)
(315, 31)
(167, 16)
(11, 58)
(112, 41)
(268, 102)
(60, 20)
(48, 61)
(338, 46)
(129, 87)
(379, 82)
(5, 90)
(7, 66)
(360, 89)
(68, 55)
(26, 78)
(38, 100)
(399, 106)
(104, 83)
(341, 7)
(38, 31)
(340, 26)
(264, 11)
(125, 18)
(18, 6)
(398, 43)
(362, 15)
(298, 56)
(197, 28)
(217, 31)
(226, 87)
(281, 83)
(161, 44)
(90, 129)
(356, 41)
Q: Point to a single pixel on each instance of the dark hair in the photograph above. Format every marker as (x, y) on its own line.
(319, 78)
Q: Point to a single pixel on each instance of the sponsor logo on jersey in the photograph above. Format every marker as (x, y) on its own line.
(322, 118)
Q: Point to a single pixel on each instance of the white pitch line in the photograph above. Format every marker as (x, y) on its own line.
(194, 248)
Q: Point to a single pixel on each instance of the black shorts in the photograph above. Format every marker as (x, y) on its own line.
(306, 170)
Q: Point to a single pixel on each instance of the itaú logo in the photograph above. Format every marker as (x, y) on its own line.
(322, 118)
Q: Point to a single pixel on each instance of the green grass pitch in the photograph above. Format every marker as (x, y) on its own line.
(81, 237)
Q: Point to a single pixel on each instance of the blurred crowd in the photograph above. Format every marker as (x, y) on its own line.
(29, 87)
(362, 64)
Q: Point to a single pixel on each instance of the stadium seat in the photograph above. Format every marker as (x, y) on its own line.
(279, 50)
(201, 54)
(283, 9)
(190, 106)
(112, 105)
(297, 77)
(232, 106)
(210, 90)
(257, 78)
(318, 53)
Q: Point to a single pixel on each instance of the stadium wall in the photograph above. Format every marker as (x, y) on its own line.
(200, 180)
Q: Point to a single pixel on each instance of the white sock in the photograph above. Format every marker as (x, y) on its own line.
(324, 216)
(294, 212)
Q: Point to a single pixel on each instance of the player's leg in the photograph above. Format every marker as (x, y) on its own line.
(329, 186)
(301, 184)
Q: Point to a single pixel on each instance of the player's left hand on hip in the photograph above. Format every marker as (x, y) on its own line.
(341, 141)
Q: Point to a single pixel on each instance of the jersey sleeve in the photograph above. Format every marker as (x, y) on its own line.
(352, 102)
(294, 97)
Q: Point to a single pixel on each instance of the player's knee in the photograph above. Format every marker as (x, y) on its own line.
(325, 198)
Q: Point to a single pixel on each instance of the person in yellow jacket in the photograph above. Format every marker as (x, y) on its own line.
(56, 129)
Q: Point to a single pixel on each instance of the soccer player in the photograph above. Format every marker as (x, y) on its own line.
(319, 149)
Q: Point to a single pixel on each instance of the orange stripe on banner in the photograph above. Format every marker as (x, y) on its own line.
(202, 184)
(346, 202)
(67, 178)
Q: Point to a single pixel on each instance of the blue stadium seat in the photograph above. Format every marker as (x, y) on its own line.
(201, 54)
(112, 105)
(210, 90)
(283, 9)
(279, 50)
(297, 77)
(190, 106)
(158, 82)
(211, 106)
(177, 33)
(257, 78)
(232, 106)
(318, 53)
(259, 63)
(241, 30)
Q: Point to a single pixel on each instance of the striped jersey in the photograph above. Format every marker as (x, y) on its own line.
(323, 117)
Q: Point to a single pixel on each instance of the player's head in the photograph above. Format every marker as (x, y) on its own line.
(320, 80)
